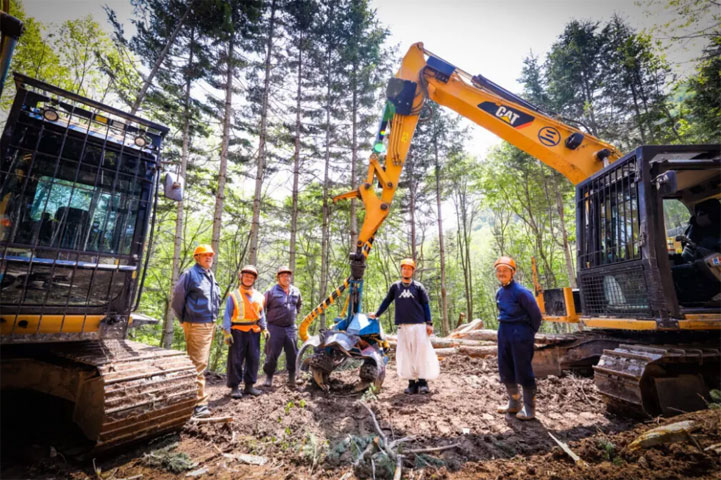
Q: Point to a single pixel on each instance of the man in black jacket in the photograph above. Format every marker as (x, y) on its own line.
(416, 360)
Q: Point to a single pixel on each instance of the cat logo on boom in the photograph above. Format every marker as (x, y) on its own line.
(509, 115)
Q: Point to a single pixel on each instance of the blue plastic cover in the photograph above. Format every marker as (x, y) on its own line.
(360, 324)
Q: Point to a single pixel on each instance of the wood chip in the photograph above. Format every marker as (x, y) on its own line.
(564, 446)
(670, 433)
(226, 419)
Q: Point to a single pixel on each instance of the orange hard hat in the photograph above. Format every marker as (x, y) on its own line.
(249, 269)
(506, 262)
(408, 261)
(283, 269)
(204, 248)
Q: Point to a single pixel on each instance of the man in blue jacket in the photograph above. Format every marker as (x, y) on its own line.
(196, 303)
(282, 303)
(519, 318)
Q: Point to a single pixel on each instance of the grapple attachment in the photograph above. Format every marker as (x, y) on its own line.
(359, 338)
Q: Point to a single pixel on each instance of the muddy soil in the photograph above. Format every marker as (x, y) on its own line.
(305, 433)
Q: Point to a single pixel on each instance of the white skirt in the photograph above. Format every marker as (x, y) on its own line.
(415, 357)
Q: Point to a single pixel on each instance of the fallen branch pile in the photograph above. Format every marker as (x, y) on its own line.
(382, 458)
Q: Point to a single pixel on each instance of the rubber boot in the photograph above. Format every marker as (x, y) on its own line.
(291, 379)
(251, 390)
(423, 386)
(236, 393)
(412, 388)
(529, 404)
(268, 381)
(514, 400)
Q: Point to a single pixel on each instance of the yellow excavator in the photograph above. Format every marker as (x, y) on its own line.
(78, 191)
(649, 318)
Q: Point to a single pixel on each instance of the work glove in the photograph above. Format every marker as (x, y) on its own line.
(266, 335)
(228, 338)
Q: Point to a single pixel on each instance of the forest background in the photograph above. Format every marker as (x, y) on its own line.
(262, 94)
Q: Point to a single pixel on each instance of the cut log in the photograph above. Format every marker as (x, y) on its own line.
(445, 352)
(479, 352)
(486, 334)
(474, 325)
(446, 342)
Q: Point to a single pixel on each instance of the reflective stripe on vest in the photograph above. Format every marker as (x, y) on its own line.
(239, 311)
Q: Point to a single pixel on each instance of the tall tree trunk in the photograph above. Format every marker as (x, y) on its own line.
(167, 337)
(222, 174)
(296, 160)
(354, 158)
(255, 226)
(464, 245)
(566, 245)
(161, 58)
(325, 227)
(444, 300)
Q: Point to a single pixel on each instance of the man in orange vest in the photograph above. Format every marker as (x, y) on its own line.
(243, 323)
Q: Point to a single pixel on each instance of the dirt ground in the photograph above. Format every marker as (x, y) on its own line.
(304, 433)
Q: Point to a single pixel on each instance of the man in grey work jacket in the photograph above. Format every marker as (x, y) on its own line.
(282, 304)
(196, 303)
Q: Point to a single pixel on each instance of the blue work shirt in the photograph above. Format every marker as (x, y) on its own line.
(412, 304)
(281, 308)
(516, 304)
(196, 297)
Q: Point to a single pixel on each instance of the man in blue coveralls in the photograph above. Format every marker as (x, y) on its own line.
(282, 304)
(519, 318)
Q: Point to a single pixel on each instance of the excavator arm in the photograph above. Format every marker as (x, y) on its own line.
(422, 75)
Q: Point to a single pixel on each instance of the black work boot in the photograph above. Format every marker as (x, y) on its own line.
(268, 381)
(529, 404)
(514, 400)
(251, 390)
(412, 387)
(291, 379)
(236, 393)
(423, 386)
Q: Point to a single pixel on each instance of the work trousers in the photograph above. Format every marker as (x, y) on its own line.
(281, 338)
(515, 353)
(198, 339)
(243, 358)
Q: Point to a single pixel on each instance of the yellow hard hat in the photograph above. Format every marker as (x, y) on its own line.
(204, 248)
(409, 262)
(506, 262)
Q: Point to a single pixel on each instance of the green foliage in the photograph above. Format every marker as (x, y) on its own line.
(715, 399)
(330, 61)
(168, 459)
(608, 447)
(702, 105)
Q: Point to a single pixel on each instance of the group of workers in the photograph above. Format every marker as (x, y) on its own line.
(249, 315)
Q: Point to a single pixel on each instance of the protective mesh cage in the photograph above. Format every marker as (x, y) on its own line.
(609, 218)
(615, 291)
(76, 187)
(611, 273)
